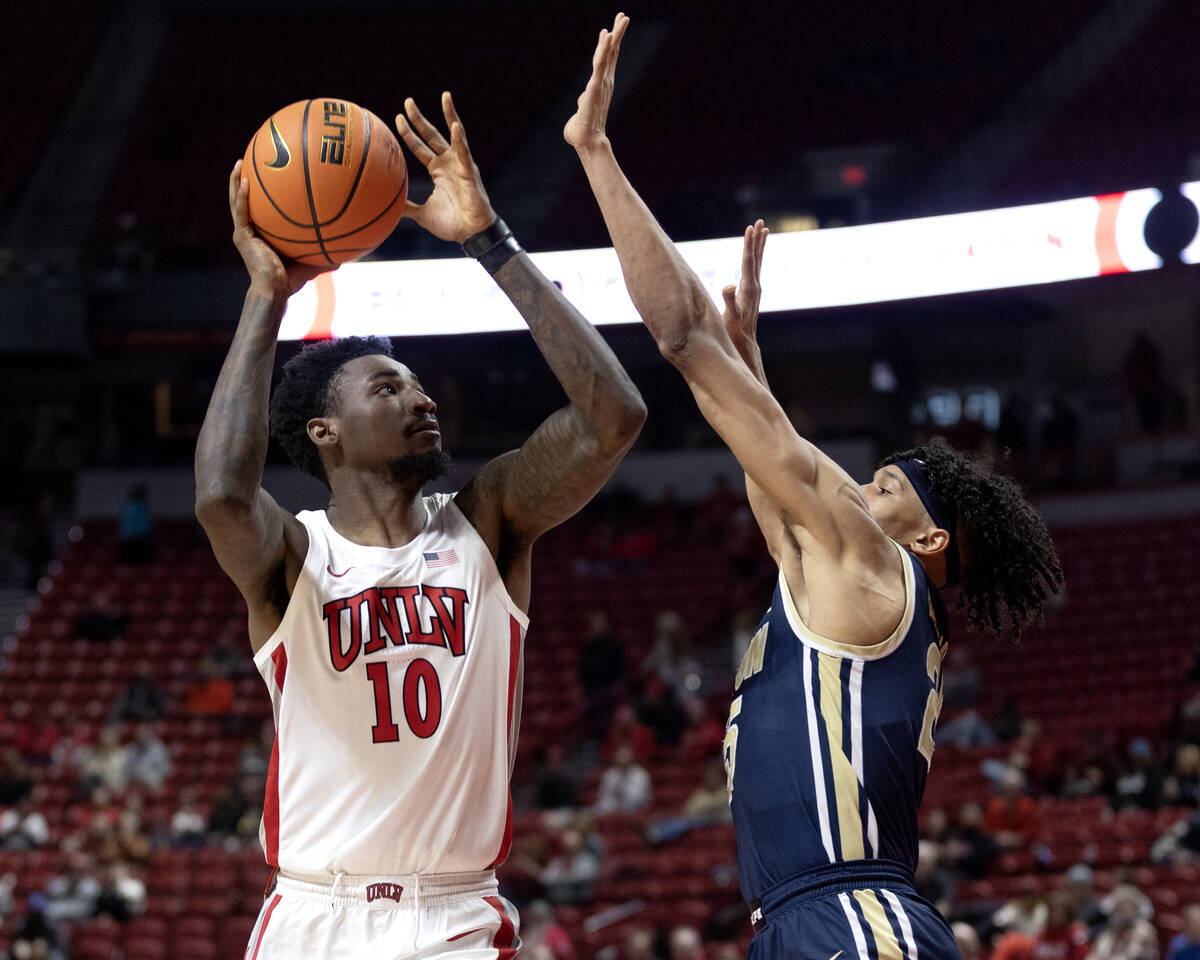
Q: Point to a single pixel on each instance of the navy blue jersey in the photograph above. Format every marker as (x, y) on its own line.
(828, 745)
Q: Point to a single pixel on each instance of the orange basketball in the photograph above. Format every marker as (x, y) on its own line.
(327, 181)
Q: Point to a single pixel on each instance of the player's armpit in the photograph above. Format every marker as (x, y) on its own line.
(261, 546)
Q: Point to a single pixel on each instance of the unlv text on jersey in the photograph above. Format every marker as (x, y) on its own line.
(371, 619)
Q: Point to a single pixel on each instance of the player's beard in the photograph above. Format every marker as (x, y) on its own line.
(422, 466)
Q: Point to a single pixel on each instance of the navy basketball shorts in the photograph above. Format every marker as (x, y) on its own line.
(849, 912)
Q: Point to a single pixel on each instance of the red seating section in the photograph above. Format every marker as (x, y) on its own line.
(1116, 655)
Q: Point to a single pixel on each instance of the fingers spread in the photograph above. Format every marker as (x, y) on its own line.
(414, 143)
(415, 212)
(427, 130)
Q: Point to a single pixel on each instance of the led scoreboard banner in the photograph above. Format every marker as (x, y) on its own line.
(898, 260)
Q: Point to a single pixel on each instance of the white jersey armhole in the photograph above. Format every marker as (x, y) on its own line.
(314, 559)
(874, 651)
(449, 513)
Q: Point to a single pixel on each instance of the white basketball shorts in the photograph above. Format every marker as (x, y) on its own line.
(458, 915)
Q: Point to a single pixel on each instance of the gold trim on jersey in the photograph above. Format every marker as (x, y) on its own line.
(886, 944)
(874, 651)
(845, 781)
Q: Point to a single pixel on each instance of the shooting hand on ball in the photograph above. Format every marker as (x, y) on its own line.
(266, 267)
(458, 207)
(586, 128)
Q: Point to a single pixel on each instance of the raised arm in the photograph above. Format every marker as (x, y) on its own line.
(251, 535)
(525, 492)
(741, 323)
(822, 508)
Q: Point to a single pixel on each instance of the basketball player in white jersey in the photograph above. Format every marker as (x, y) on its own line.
(389, 626)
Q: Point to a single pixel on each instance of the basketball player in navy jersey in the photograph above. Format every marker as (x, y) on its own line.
(395, 620)
(830, 732)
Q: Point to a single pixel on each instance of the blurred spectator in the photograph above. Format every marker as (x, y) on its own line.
(226, 809)
(23, 827)
(1128, 935)
(15, 782)
(131, 841)
(685, 944)
(639, 945)
(1139, 781)
(1155, 403)
(1186, 945)
(229, 654)
(1024, 914)
(1180, 843)
(1011, 818)
(106, 763)
(969, 850)
(33, 540)
(187, 822)
(960, 679)
(72, 750)
(147, 759)
(213, 694)
(570, 875)
(255, 756)
(135, 528)
(553, 787)
(104, 621)
(931, 881)
(659, 709)
(967, 729)
(141, 701)
(1182, 786)
(671, 659)
(1059, 437)
(705, 734)
(1063, 937)
(122, 896)
(601, 673)
(71, 893)
(624, 787)
(35, 937)
(541, 933)
(968, 941)
(1077, 885)
(708, 804)
(1006, 718)
(627, 730)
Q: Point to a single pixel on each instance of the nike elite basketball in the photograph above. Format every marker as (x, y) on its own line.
(327, 181)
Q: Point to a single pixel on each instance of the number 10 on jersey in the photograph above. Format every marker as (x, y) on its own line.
(420, 682)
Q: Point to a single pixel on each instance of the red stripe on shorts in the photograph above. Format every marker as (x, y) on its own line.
(514, 668)
(271, 801)
(263, 929)
(506, 934)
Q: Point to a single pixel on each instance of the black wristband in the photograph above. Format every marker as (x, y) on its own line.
(492, 247)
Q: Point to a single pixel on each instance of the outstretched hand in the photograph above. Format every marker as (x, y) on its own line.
(741, 301)
(458, 207)
(586, 128)
(263, 263)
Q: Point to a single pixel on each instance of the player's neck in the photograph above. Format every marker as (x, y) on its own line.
(376, 511)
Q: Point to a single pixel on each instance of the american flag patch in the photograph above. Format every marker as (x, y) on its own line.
(440, 558)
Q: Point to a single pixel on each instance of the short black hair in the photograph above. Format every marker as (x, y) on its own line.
(303, 393)
(1009, 567)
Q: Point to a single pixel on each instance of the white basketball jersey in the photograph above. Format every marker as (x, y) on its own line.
(396, 680)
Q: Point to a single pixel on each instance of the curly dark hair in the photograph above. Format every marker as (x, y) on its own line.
(303, 393)
(1009, 567)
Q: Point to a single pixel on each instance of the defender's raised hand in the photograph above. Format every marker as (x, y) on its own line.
(741, 301)
(459, 206)
(587, 127)
(265, 266)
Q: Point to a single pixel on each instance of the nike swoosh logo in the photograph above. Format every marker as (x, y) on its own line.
(342, 574)
(283, 156)
(459, 936)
